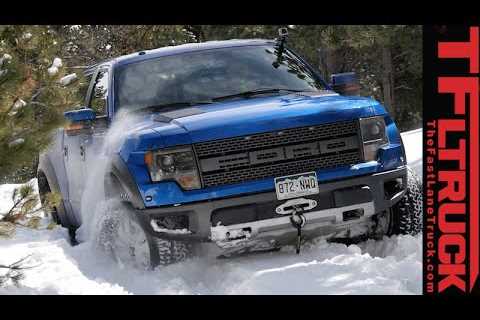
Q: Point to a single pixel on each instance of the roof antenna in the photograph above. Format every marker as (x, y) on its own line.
(282, 38)
(280, 46)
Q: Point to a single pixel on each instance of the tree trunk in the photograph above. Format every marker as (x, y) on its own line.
(387, 80)
(328, 62)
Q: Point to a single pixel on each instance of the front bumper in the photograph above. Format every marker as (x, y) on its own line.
(252, 220)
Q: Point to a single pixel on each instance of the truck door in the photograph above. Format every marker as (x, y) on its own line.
(81, 149)
(91, 153)
(73, 160)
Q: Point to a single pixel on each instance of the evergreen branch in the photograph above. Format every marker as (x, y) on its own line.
(17, 264)
(36, 103)
(78, 67)
(9, 215)
(4, 80)
(15, 271)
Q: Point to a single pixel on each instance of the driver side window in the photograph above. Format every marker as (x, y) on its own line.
(100, 93)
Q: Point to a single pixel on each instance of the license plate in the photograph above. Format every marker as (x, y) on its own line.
(297, 185)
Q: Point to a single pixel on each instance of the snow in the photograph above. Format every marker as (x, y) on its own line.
(6, 191)
(413, 141)
(169, 231)
(389, 266)
(57, 63)
(66, 80)
(19, 104)
(6, 57)
(16, 142)
(220, 233)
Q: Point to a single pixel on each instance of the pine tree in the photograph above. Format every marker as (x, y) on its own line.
(32, 97)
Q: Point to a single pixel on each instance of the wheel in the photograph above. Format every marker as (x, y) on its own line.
(122, 235)
(44, 189)
(405, 217)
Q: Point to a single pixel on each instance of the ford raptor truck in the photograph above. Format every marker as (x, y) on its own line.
(239, 144)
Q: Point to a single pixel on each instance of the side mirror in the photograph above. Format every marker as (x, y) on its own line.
(84, 114)
(80, 121)
(345, 83)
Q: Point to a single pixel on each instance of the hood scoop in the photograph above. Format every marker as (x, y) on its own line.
(168, 116)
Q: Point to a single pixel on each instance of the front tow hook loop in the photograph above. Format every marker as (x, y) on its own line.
(298, 220)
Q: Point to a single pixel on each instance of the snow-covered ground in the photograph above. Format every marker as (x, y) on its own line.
(390, 266)
(413, 142)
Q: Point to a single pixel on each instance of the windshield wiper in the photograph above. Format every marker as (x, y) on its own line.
(173, 105)
(251, 93)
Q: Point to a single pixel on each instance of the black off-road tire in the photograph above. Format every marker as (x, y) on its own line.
(406, 216)
(112, 213)
(43, 190)
(162, 251)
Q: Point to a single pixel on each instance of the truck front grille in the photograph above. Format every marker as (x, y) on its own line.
(278, 153)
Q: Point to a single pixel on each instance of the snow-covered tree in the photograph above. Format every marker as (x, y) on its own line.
(32, 97)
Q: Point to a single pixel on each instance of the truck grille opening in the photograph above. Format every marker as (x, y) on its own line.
(352, 214)
(393, 187)
(278, 153)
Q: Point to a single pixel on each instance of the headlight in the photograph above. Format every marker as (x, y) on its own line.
(374, 136)
(176, 165)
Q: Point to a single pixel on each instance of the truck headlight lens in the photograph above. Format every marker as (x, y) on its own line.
(374, 136)
(175, 165)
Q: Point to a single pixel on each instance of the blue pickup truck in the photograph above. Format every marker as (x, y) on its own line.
(239, 144)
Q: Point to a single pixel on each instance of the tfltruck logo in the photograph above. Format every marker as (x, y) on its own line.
(451, 160)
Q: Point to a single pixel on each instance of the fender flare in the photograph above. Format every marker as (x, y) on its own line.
(120, 171)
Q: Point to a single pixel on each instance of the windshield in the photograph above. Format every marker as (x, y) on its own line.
(203, 76)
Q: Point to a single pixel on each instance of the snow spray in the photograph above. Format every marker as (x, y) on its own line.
(93, 202)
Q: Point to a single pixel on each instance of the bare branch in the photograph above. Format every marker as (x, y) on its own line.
(403, 87)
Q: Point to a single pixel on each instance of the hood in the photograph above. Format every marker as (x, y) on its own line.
(249, 116)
